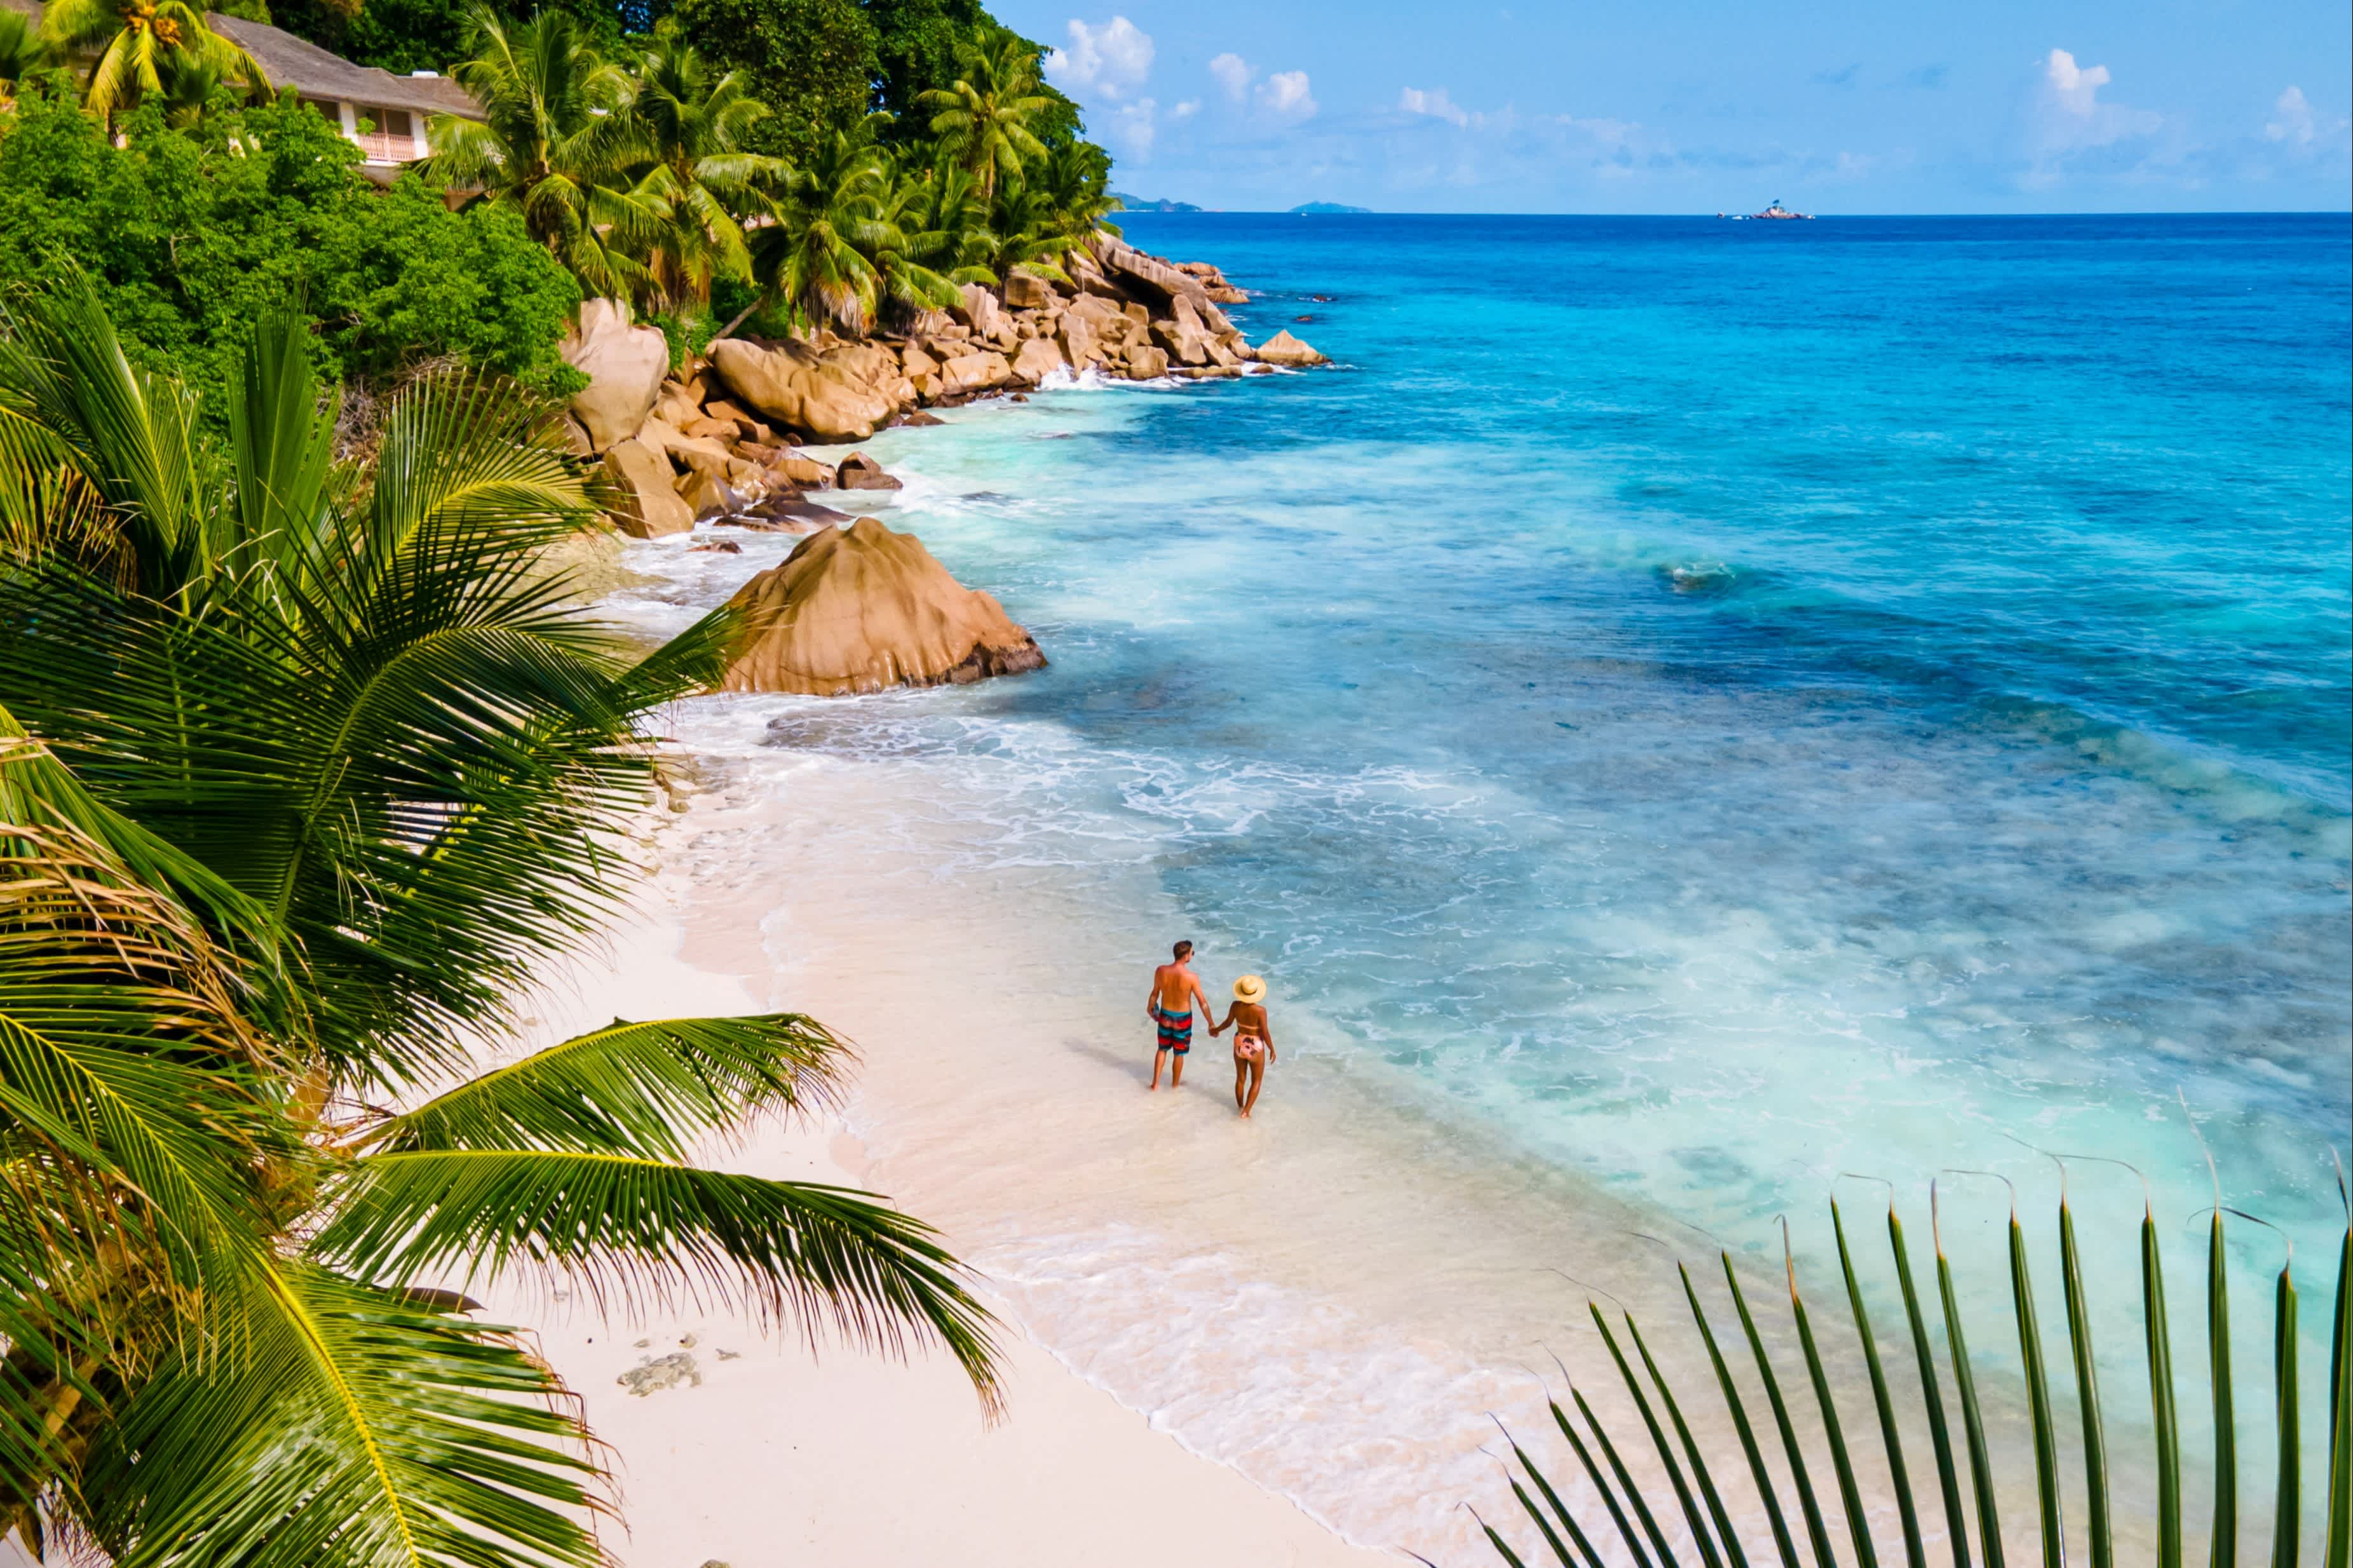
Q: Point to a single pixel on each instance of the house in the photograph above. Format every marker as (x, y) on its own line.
(383, 113)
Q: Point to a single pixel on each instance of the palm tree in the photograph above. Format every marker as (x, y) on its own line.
(1074, 182)
(1967, 1492)
(982, 118)
(938, 207)
(361, 762)
(691, 122)
(553, 143)
(23, 51)
(1024, 231)
(817, 258)
(138, 43)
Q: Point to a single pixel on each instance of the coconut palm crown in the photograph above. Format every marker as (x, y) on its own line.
(139, 44)
(983, 118)
(554, 143)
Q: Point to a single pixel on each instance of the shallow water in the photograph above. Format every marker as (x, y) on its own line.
(1683, 711)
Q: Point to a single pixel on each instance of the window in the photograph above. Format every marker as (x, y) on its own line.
(387, 136)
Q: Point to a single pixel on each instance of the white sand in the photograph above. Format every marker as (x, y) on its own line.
(779, 1456)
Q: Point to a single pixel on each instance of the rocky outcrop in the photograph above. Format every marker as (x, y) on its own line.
(625, 365)
(724, 426)
(968, 374)
(865, 609)
(648, 503)
(1038, 359)
(1027, 292)
(823, 396)
(859, 472)
(1285, 350)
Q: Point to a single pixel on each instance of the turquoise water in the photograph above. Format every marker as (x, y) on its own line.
(1732, 703)
(1715, 706)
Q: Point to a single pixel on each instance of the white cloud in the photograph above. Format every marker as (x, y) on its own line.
(1285, 93)
(2293, 119)
(1111, 59)
(2073, 88)
(1433, 103)
(1187, 110)
(1131, 128)
(1234, 74)
(2068, 115)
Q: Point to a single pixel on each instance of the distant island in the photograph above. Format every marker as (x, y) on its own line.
(1140, 205)
(1317, 209)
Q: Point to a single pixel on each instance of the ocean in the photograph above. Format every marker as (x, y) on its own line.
(1688, 717)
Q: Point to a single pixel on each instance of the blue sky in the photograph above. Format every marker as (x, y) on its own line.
(1680, 106)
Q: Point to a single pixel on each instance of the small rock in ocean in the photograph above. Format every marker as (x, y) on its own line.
(1321, 299)
(723, 547)
(919, 419)
(1302, 318)
(653, 1374)
(859, 472)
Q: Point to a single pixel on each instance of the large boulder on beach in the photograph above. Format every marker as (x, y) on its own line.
(863, 608)
(646, 504)
(969, 374)
(977, 308)
(1147, 278)
(1027, 292)
(1077, 338)
(625, 365)
(1038, 359)
(1284, 348)
(819, 395)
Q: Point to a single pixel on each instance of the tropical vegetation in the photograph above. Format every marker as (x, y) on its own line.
(189, 235)
(2078, 1474)
(306, 768)
(785, 164)
(309, 767)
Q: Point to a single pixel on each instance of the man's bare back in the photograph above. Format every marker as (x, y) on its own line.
(1169, 1005)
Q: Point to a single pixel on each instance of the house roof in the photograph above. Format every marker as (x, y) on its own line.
(316, 73)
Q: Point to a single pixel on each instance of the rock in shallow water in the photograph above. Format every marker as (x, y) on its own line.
(1285, 350)
(864, 609)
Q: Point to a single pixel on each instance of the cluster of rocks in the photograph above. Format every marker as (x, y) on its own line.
(860, 608)
(716, 437)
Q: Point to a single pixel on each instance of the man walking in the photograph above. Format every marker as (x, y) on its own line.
(1169, 1005)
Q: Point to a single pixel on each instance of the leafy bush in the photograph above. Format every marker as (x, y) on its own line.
(192, 235)
(809, 60)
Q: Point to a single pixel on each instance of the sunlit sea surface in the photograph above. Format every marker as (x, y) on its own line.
(1698, 709)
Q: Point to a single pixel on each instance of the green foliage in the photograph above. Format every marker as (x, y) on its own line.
(2046, 1499)
(917, 45)
(190, 234)
(810, 61)
(325, 769)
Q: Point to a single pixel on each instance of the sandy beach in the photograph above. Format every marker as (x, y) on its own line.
(763, 1452)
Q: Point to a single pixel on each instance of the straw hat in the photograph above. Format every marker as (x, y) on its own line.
(1249, 988)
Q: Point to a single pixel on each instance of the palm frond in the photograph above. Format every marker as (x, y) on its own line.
(651, 1089)
(641, 1231)
(355, 1431)
(1625, 1503)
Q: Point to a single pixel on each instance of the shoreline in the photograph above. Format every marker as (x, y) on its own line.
(832, 863)
(747, 1447)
